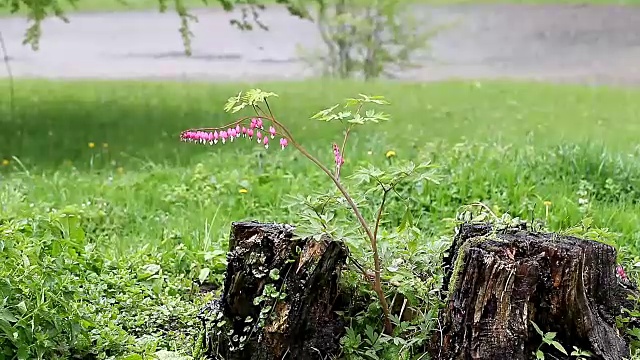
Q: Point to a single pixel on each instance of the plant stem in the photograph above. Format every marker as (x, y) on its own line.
(379, 214)
(344, 144)
(377, 284)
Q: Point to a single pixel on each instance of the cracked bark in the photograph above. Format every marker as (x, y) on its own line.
(302, 325)
(500, 281)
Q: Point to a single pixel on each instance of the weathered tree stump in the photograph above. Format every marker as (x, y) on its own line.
(501, 281)
(279, 299)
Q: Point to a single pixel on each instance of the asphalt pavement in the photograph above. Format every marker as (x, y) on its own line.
(592, 44)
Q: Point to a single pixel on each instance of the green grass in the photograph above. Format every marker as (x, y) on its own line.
(139, 218)
(133, 5)
(59, 119)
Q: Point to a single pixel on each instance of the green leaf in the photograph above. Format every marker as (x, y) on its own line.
(560, 348)
(539, 355)
(326, 114)
(132, 357)
(8, 330)
(274, 274)
(170, 355)
(232, 102)
(357, 119)
(406, 221)
(634, 332)
(550, 335)
(537, 328)
(6, 315)
(148, 271)
(23, 352)
(255, 96)
(22, 307)
(204, 275)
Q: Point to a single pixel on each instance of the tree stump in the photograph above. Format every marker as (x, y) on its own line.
(279, 299)
(501, 281)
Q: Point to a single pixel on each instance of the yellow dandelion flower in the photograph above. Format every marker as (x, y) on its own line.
(5, 162)
(547, 203)
(91, 145)
(105, 145)
(390, 154)
(243, 191)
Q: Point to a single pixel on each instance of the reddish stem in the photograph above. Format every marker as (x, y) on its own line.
(377, 285)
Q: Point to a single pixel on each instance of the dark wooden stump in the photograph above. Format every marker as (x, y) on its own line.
(279, 297)
(500, 282)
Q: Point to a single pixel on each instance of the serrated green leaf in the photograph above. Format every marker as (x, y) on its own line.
(232, 102)
(325, 115)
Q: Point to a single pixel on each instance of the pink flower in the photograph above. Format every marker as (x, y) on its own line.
(621, 273)
(254, 130)
(283, 143)
(338, 157)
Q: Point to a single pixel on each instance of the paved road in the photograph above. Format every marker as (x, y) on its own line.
(559, 43)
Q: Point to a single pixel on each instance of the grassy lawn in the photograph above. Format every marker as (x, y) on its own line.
(143, 122)
(128, 5)
(94, 171)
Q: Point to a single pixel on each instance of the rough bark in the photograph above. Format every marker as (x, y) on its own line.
(300, 324)
(501, 281)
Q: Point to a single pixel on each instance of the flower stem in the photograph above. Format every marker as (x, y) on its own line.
(344, 144)
(377, 284)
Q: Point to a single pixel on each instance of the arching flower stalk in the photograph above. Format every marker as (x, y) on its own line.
(231, 132)
(254, 126)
